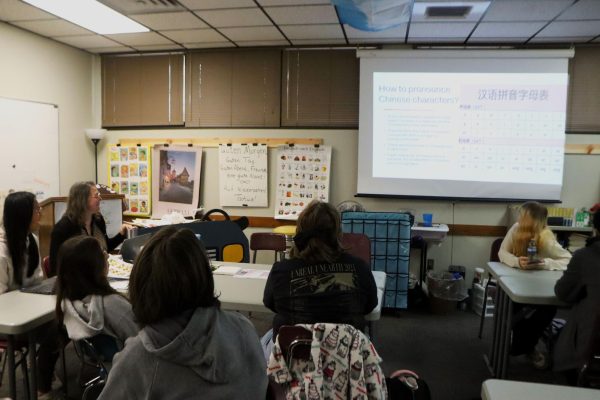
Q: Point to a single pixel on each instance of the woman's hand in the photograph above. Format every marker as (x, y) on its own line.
(124, 229)
(525, 264)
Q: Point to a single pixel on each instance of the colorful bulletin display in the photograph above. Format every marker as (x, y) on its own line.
(176, 180)
(243, 175)
(302, 176)
(130, 174)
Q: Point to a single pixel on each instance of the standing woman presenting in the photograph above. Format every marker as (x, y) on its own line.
(531, 320)
(82, 218)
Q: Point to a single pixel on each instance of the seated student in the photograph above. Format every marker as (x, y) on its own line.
(580, 286)
(188, 347)
(530, 320)
(82, 217)
(20, 267)
(85, 301)
(320, 283)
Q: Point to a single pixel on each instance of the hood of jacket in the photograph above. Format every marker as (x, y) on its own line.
(206, 340)
(84, 318)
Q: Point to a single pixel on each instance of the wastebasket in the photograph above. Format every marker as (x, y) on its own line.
(445, 290)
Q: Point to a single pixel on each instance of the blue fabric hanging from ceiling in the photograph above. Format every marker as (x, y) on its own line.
(373, 15)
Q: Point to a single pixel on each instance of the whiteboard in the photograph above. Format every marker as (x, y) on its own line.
(243, 175)
(29, 158)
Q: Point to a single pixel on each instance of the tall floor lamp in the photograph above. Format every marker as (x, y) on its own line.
(95, 135)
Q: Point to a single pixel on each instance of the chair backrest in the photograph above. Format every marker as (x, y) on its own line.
(46, 266)
(267, 241)
(295, 342)
(358, 245)
(495, 249)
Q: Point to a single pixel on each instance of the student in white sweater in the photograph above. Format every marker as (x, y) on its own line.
(85, 302)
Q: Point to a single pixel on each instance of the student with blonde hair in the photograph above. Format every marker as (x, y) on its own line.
(531, 320)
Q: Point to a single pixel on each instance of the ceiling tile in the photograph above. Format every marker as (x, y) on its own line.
(115, 49)
(328, 31)
(194, 36)
(16, 10)
(235, 17)
(175, 20)
(441, 30)
(265, 3)
(571, 28)
(583, 9)
(318, 41)
(506, 29)
(396, 33)
(140, 39)
(260, 43)
(525, 10)
(87, 41)
(216, 4)
(55, 27)
(208, 45)
(129, 7)
(321, 14)
(252, 33)
(154, 47)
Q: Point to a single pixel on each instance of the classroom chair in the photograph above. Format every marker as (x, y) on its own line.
(46, 266)
(92, 357)
(21, 349)
(589, 375)
(267, 241)
(358, 245)
(493, 257)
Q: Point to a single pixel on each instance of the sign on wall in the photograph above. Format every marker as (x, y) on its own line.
(243, 175)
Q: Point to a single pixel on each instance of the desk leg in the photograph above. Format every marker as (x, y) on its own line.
(424, 261)
(32, 367)
(505, 359)
(12, 380)
(499, 340)
(497, 317)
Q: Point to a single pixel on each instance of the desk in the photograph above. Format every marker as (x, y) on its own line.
(21, 314)
(518, 286)
(422, 237)
(494, 389)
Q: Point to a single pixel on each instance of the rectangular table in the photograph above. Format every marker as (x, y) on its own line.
(21, 313)
(494, 389)
(515, 286)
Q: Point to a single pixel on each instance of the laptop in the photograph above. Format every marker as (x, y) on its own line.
(132, 247)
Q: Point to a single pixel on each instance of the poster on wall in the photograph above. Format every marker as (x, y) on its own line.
(129, 173)
(243, 175)
(176, 180)
(302, 176)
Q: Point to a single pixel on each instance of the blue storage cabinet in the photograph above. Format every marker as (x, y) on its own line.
(390, 249)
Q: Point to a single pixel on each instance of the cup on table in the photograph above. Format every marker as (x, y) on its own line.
(427, 219)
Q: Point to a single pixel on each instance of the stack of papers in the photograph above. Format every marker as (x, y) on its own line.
(253, 274)
(226, 270)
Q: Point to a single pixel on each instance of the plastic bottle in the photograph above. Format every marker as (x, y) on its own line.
(532, 250)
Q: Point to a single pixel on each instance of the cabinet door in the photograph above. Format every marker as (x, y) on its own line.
(142, 90)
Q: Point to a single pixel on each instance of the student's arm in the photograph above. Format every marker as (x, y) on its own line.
(558, 257)
(369, 288)
(570, 287)
(505, 254)
(269, 294)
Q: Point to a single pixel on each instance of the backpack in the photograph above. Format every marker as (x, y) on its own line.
(407, 385)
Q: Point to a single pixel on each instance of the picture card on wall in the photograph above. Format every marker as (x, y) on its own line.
(129, 170)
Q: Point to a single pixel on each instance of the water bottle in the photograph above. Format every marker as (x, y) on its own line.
(531, 251)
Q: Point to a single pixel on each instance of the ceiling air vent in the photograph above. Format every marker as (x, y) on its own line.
(447, 11)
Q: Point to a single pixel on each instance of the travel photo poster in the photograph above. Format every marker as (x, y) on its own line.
(176, 180)
(129, 173)
(302, 176)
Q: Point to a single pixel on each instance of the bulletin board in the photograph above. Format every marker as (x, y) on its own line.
(130, 173)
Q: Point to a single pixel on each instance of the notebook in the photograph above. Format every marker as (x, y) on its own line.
(47, 286)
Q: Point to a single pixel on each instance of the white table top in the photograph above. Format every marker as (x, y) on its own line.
(498, 269)
(247, 294)
(21, 312)
(533, 289)
(495, 389)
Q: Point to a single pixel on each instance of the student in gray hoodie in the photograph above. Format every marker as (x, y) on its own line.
(85, 302)
(188, 347)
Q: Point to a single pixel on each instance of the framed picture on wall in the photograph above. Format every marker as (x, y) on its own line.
(176, 180)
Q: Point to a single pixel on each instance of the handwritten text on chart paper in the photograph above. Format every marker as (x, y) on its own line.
(243, 175)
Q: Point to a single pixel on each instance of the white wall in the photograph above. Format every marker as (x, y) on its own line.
(38, 69)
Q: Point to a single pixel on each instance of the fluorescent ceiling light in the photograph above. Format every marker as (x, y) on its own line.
(91, 15)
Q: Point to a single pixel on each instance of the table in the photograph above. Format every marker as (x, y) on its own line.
(518, 286)
(494, 389)
(20, 314)
(434, 234)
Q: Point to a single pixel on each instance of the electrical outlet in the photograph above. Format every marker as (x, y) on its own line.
(429, 263)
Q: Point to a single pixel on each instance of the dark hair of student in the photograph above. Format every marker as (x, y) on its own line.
(81, 271)
(171, 274)
(18, 212)
(596, 224)
(318, 234)
(77, 201)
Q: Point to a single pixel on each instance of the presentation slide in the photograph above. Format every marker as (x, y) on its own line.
(480, 127)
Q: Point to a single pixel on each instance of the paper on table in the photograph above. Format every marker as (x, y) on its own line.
(226, 270)
(117, 268)
(253, 274)
(119, 284)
